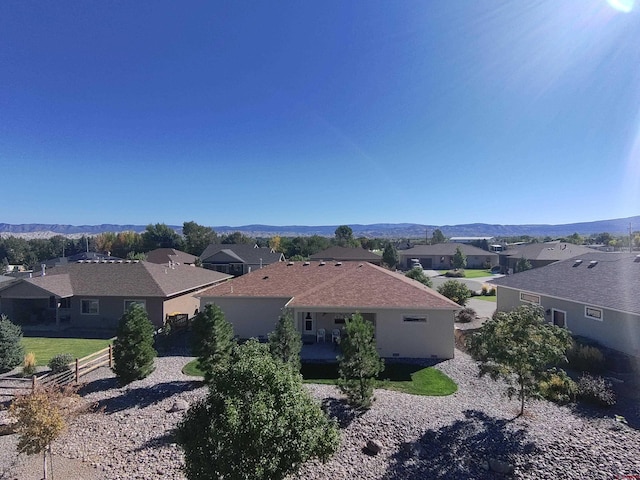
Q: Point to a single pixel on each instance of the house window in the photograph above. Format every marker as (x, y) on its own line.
(90, 306)
(128, 303)
(414, 318)
(65, 303)
(530, 298)
(339, 321)
(593, 313)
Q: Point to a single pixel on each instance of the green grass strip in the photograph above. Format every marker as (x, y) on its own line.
(46, 348)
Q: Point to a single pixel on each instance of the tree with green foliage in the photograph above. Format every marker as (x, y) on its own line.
(212, 341)
(258, 422)
(237, 238)
(438, 237)
(418, 275)
(285, 342)
(197, 237)
(522, 265)
(133, 351)
(11, 348)
(456, 291)
(161, 236)
(390, 256)
(459, 259)
(359, 362)
(520, 347)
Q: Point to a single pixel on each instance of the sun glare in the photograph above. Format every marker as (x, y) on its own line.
(622, 5)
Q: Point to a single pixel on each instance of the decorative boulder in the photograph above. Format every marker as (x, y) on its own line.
(374, 446)
(179, 406)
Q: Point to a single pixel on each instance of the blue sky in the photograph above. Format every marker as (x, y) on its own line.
(319, 113)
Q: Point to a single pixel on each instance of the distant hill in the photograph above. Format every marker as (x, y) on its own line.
(618, 226)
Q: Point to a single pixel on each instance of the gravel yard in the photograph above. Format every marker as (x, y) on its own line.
(470, 434)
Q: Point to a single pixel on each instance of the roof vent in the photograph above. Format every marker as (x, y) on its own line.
(127, 261)
(80, 261)
(592, 263)
(577, 263)
(322, 263)
(637, 259)
(338, 264)
(289, 264)
(265, 277)
(306, 264)
(136, 261)
(119, 261)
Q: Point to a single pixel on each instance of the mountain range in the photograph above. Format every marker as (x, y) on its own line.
(619, 226)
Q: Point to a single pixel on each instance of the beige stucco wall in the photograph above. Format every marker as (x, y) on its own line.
(617, 330)
(250, 317)
(397, 338)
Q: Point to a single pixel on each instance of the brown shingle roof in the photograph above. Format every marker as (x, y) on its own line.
(164, 255)
(346, 254)
(125, 279)
(334, 284)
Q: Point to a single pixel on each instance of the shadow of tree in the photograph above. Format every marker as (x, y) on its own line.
(463, 450)
(142, 397)
(341, 411)
(156, 442)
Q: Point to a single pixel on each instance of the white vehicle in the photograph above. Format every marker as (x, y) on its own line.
(415, 263)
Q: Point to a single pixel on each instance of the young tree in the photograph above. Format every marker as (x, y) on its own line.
(133, 351)
(257, 422)
(40, 419)
(418, 275)
(390, 255)
(456, 291)
(212, 341)
(11, 349)
(459, 259)
(520, 347)
(285, 342)
(523, 265)
(359, 362)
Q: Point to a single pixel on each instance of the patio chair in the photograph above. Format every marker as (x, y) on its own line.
(320, 335)
(335, 335)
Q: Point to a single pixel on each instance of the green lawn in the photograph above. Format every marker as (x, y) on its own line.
(400, 377)
(487, 298)
(46, 348)
(472, 273)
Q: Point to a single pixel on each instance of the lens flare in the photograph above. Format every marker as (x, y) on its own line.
(622, 5)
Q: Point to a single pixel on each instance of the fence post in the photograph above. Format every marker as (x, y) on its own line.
(77, 371)
(34, 381)
(110, 355)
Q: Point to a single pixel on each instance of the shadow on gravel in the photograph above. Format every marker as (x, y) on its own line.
(145, 396)
(463, 450)
(156, 442)
(340, 410)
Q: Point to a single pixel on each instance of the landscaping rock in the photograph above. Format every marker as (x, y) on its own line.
(374, 446)
(179, 405)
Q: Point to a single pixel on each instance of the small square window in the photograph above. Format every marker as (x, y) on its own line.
(90, 307)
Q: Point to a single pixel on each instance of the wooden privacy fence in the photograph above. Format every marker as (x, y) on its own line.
(10, 386)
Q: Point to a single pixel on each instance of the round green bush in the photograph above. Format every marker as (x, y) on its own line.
(60, 363)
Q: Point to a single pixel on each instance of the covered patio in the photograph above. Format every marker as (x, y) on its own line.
(319, 352)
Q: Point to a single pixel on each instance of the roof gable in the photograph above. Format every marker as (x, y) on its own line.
(248, 254)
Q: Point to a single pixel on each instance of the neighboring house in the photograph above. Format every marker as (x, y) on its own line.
(540, 254)
(595, 295)
(166, 256)
(95, 295)
(440, 256)
(237, 260)
(85, 256)
(345, 254)
(410, 319)
(470, 239)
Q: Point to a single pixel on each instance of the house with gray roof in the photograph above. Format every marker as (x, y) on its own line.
(236, 259)
(409, 319)
(440, 256)
(595, 295)
(168, 256)
(539, 254)
(345, 254)
(95, 294)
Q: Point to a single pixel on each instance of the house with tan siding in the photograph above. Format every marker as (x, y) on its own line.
(440, 256)
(95, 294)
(595, 295)
(410, 319)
